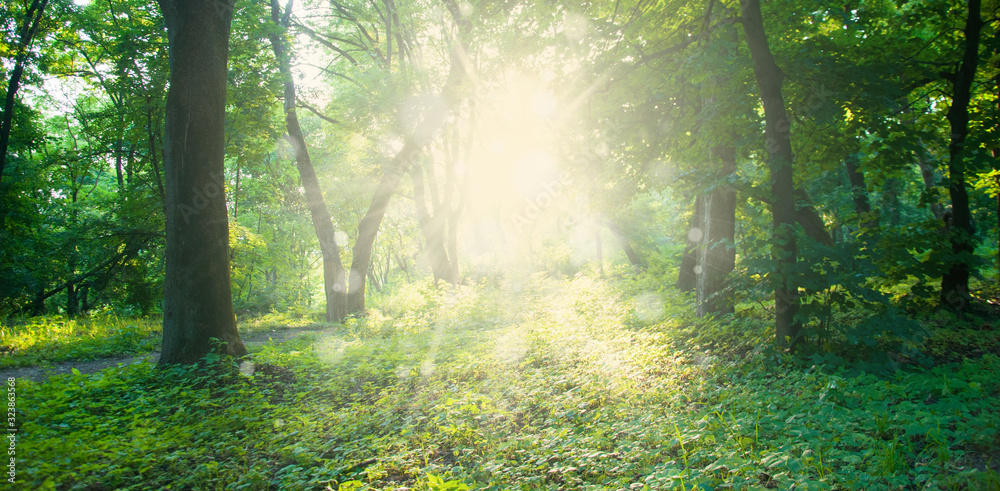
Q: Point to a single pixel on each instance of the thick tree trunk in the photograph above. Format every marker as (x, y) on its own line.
(711, 253)
(84, 300)
(334, 281)
(806, 216)
(334, 277)
(439, 223)
(776, 127)
(72, 303)
(197, 300)
(27, 34)
(955, 283)
(717, 256)
(454, 213)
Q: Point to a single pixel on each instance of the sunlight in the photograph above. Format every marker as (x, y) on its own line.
(591, 341)
(543, 104)
(310, 61)
(499, 245)
(514, 159)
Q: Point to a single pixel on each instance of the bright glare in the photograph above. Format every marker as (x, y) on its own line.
(515, 157)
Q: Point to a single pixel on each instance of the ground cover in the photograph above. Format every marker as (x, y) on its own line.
(532, 384)
(36, 348)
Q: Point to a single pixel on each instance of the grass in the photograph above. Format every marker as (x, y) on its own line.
(541, 384)
(56, 338)
(50, 339)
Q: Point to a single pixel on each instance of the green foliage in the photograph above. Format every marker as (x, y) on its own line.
(534, 385)
(51, 339)
(289, 319)
(517, 378)
(846, 317)
(557, 258)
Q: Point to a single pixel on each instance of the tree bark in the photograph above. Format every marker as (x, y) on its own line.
(197, 300)
(29, 29)
(955, 283)
(718, 248)
(334, 281)
(805, 215)
(711, 253)
(777, 130)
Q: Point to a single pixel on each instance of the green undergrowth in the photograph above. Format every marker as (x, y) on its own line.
(537, 384)
(48, 339)
(275, 321)
(52, 339)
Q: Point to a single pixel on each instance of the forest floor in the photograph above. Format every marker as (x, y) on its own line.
(535, 384)
(43, 370)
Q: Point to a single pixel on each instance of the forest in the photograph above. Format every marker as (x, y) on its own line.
(497, 244)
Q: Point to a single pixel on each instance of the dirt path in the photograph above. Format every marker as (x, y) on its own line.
(39, 373)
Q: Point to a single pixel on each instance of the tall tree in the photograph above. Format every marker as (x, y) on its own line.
(334, 282)
(779, 146)
(407, 156)
(718, 249)
(197, 303)
(26, 34)
(955, 283)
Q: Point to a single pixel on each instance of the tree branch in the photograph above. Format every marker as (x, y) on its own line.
(318, 38)
(304, 105)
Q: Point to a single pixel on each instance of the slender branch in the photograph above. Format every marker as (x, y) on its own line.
(304, 105)
(319, 39)
(341, 75)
